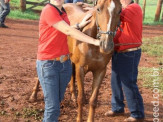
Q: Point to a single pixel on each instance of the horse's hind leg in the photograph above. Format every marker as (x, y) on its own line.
(33, 97)
(97, 79)
(72, 84)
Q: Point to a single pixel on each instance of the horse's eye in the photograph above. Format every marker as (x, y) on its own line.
(98, 10)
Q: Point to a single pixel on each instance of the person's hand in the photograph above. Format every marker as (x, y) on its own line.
(6, 1)
(85, 6)
(97, 42)
(85, 20)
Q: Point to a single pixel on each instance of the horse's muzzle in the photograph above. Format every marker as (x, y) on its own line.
(106, 47)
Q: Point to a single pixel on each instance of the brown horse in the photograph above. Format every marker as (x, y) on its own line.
(87, 57)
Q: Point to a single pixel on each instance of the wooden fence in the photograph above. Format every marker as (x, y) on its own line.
(23, 4)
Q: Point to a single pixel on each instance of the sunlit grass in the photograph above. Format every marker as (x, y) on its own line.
(146, 75)
(154, 48)
(149, 13)
(17, 14)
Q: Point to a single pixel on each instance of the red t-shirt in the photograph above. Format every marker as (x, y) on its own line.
(52, 43)
(131, 24)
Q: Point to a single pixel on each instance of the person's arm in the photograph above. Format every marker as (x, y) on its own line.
(52, 18)
(68, 30)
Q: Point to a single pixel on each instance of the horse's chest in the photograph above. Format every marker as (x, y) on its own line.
(89, 55)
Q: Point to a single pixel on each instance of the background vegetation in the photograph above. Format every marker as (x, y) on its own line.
(154, 48)
(16, 13)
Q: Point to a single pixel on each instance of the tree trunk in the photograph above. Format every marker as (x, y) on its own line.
(144, 5)
(137, 1)
(158, 10)
(22, 5)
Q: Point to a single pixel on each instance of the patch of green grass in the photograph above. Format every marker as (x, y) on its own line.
(30, 112)
(149, 13)
(151, 79)
(153, 46)
(17, 14)
(15, 3)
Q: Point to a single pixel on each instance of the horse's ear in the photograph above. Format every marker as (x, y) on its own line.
(95, 2)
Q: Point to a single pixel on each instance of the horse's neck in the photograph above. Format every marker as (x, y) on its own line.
(75, 13)
(91, 28)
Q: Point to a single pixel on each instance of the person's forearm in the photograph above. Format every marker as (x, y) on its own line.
(82, 37)
(76, 26)
(68, 30)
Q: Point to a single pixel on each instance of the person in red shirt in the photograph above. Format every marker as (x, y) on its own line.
(125, 62)
(4, 11)
(53, 63)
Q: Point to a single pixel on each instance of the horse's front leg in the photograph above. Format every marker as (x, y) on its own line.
(33, 96)
(97, 79)
(80, 85)
(72, 84)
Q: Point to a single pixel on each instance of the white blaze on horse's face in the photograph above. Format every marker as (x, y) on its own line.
(110, 9)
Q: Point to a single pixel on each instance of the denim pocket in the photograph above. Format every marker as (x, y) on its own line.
(129, 54)
(48, 68)
(48, 64)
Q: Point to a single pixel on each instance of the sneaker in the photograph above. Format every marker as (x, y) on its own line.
(3, 26)
(112, 114)
(132, 119)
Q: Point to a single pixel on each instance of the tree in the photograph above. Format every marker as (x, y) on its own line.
(144, 5)
(137, 1)
(158, 10)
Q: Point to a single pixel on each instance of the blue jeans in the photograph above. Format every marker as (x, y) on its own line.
(4, 11)
(54, 77)
(124, 76)
(73, 1)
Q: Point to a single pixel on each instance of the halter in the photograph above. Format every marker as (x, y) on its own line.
(112, 33)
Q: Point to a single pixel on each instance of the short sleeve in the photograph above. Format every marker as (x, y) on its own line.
(52, 16)
(126, 15)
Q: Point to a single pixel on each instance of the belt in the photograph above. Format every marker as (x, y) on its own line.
(62, 58)
(129, 50)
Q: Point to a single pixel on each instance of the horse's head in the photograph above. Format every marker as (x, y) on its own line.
(107, 19)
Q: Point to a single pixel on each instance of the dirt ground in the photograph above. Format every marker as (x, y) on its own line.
(18, 47)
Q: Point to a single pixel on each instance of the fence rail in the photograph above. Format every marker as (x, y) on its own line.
(23, 4)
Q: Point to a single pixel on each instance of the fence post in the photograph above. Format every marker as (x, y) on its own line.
(144, 5)
(22, 5)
